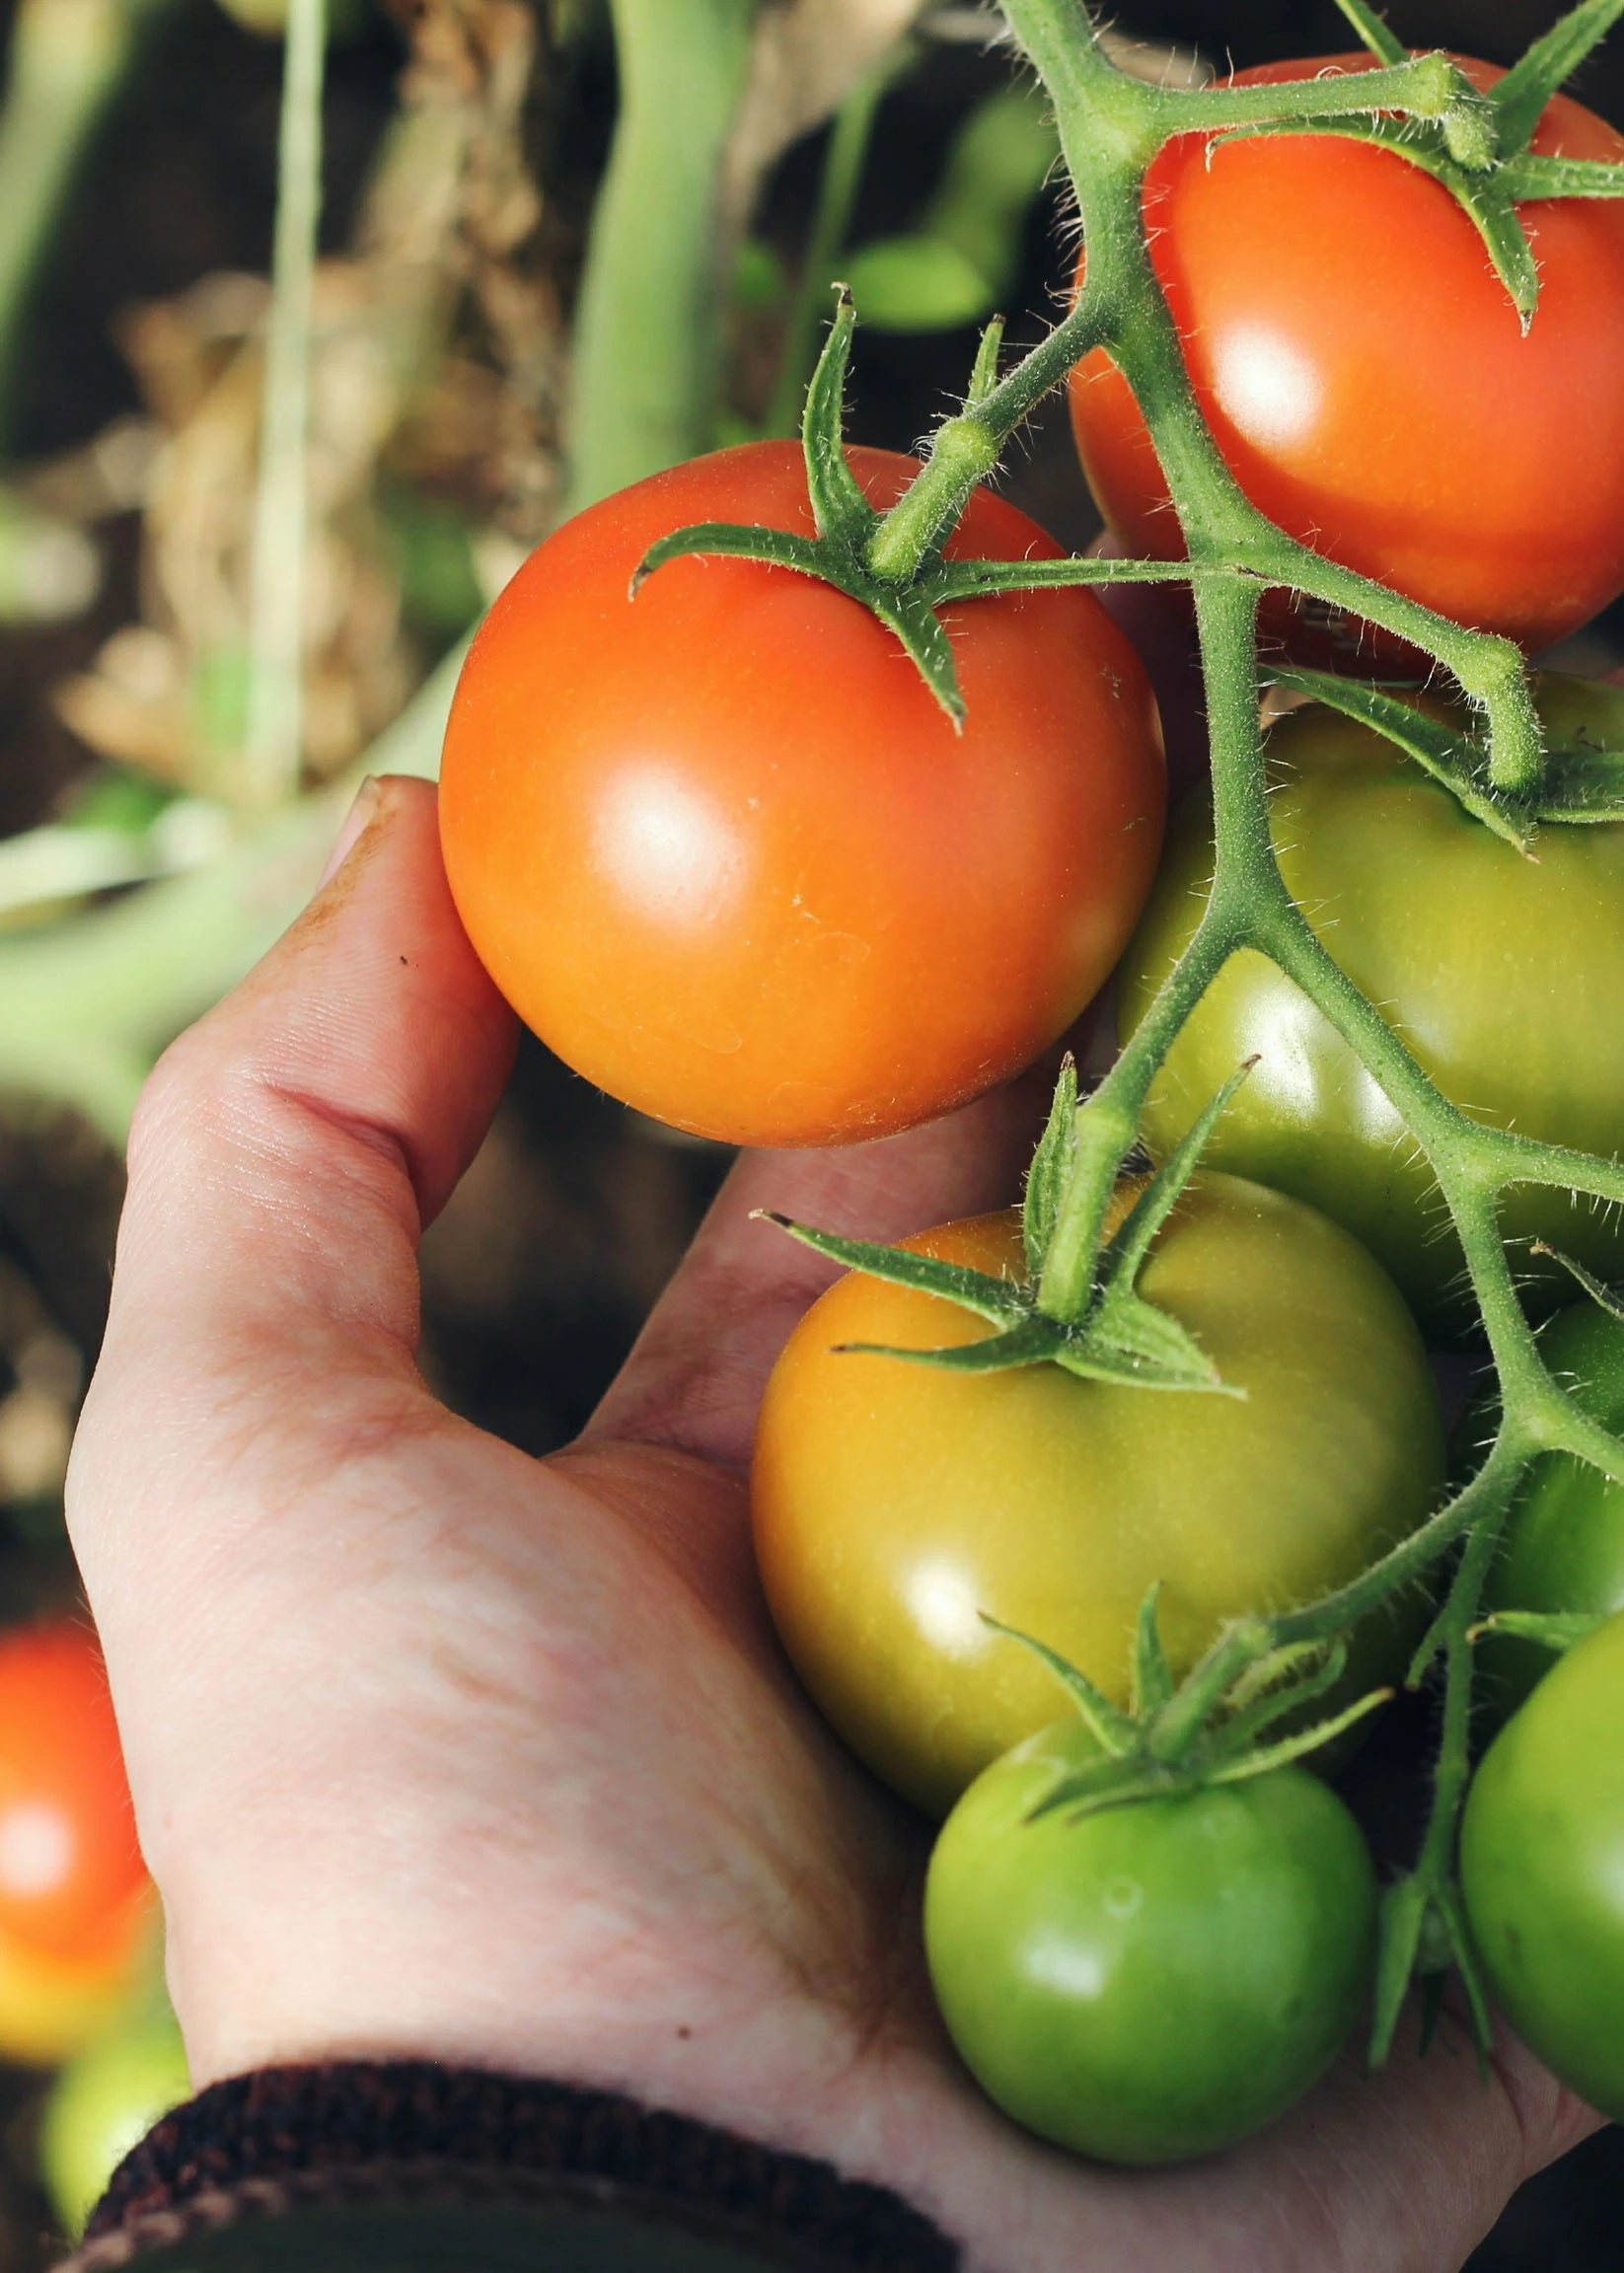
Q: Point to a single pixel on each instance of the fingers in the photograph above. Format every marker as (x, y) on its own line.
(696, 1376)
(286, 1154)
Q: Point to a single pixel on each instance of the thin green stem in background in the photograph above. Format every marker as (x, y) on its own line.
(646, 363)
(848, 142)
(274, 742)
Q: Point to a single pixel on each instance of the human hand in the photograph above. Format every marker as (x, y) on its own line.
(441, 1751)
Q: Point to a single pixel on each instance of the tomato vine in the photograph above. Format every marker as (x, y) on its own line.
(1080, 1309)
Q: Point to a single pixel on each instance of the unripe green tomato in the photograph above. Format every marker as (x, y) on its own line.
(1564, 1545)
(1542, 1869)
(1503, 975)
(893, 1504)
(1156, 1980)
(103, 2103)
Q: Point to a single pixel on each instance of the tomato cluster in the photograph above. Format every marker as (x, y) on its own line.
(721, 845)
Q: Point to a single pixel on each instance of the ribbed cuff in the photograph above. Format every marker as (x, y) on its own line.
(287, 2139)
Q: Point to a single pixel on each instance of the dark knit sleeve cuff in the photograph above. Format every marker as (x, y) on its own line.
(289, 2142)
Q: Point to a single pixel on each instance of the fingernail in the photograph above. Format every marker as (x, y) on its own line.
(355, 823)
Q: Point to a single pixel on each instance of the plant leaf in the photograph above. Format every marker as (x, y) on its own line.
(1451, 758)
(1037, 1341)
(1521, 96)
(1112, 1728)
(996, 1300)
(984, 376)
(1372, 29)
(842, 512)
(1046, 1178)
(1153, 1676)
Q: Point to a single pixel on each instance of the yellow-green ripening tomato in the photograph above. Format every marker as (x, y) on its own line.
(894, 1503)
(1505, 975)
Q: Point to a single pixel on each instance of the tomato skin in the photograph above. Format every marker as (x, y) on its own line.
(53, 2007)
(723, 849)
(105, 2103)
(70, 1866)
(1154, 1981)
(1542, 1869)
(893, 1502)
(1500, 974)
(1365, 377)
(1563, 1548)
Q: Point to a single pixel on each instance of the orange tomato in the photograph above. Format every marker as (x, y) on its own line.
(70, 1866)
(1366, 378)
(723, 849)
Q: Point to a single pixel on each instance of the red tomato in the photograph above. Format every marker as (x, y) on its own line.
(1366, 376)
(723, 849)
(71, 1872)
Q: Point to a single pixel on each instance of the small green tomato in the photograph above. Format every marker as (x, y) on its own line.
(1156, 1980)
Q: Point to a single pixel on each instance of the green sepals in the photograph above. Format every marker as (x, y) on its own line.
(1275, 1687)
(984, 376)
(1127, 1339)
(1583, 784)
(1596, 1289)
(1289, 1749)
(1554, 1630)
(1373, 28)
(1111, 1728)
(1035, 1341)
(842, 514)
(1424, 1931)
(1050, 1166)
(1459, 762)
(998, 1300)
(1130, 1244)
(1527, 178)
(1153, 1676)
(1521, 96)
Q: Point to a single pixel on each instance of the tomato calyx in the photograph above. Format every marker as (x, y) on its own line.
(1582, 781)
(840, 554)
(1113, 1334)
(1208, 1730)
(1478, 147)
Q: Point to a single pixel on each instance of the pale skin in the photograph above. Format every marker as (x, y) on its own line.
(438, 1750)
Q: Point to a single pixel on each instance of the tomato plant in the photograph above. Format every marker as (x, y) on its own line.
(723, 849)
(1563, 1550)
(70, 1867)
(1500, 973)
(1158, 1979)
(894, 1503)
(1543, 1867)
(1366, 378)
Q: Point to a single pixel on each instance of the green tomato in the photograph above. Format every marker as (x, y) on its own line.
(1542, 1869)
(894, 1503)
(1564, 1545)
(1503, 976)
(1156, 1980)
(102, 2104)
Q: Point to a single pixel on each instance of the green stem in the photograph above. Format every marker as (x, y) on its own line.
(647, 349)
(274, 745)
(843, 167)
